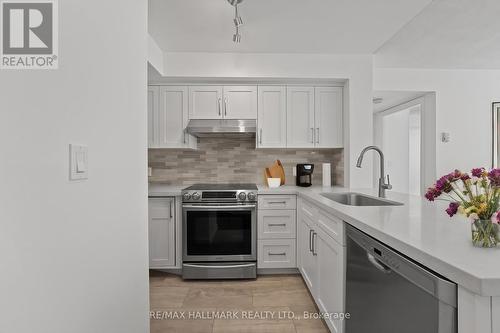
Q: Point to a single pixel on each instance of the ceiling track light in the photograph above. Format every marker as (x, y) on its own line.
(238, 21)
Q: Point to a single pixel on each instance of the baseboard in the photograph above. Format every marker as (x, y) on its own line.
(276, 271)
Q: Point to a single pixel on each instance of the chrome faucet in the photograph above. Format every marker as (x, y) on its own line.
(382, 185)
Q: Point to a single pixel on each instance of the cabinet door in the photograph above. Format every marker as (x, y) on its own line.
(173, 116)
(161, 232)
(205, 102)
(300, 117)
(330, 278)
(306, 259)
(153, 116)
(271, 120)
(240, 102)
(328, 117)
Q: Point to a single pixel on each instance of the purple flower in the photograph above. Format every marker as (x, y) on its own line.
(464, 177)
(477, 172)
(443, 184)
(432, 193)
(494, 177)
(452, 209)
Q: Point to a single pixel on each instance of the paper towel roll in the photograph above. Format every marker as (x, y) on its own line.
(327, 174)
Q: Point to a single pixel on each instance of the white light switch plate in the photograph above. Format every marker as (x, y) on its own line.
(78, 166)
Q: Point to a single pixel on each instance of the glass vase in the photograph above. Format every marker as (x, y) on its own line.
(485, 233)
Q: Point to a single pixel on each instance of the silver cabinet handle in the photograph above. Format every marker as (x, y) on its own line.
(220, 107)
(312, 134)
(314, 244)
(317, 135)
(277, 202)
(277, 254)
(277, 224)
(185, 136)
(260, 136)
(311, 232)
(171, 208)
(225, 106)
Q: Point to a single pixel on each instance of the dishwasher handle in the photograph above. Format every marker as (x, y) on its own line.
(378, 264)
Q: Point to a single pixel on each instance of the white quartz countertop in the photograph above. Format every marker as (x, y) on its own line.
(419, 229)
(161, 190)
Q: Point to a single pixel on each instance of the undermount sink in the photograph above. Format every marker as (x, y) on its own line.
(358, 199)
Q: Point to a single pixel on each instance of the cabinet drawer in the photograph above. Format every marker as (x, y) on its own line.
(276, 253)
(276, 223)
(277, 201)
(331, 225)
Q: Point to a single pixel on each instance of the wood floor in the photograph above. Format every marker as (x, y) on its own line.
(269, 304)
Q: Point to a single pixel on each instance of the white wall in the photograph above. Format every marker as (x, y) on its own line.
(73, 256)
(155, 55)
(463, 108)
(355, 68)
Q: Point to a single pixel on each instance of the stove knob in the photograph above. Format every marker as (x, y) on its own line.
(186, 196)
(242, 196)
(196, 196)
(251, 196)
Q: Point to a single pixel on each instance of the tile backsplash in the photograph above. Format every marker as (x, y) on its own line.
(235, 159)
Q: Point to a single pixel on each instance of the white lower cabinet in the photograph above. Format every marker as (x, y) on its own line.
(330, 278)
(276, 231)
(307, 261)
(161, 226)
(321, 261)
(276, 253)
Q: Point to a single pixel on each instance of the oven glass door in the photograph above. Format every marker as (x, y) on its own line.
(219, 233)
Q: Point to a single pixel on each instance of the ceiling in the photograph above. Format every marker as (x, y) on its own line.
(394, 98)
(280, 26)
(447, 34)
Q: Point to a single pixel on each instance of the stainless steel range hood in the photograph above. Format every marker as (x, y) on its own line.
(207, 127)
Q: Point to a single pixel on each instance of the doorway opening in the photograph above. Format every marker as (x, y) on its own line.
(404, 126)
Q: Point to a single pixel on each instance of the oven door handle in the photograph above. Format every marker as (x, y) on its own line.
(219, 266)
(221, 207)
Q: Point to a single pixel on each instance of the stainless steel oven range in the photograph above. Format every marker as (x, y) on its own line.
(219, 231)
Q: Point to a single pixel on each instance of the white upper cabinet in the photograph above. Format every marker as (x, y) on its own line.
(205, 102)
(271, 120)
(217, 102)
(287, 116)
(240, 102)
(300, 117)
(153, 116)
(168, 117)
(328, 117)
(173, 116)
(314, 117)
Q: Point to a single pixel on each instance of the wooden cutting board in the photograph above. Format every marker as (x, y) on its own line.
(276, 171)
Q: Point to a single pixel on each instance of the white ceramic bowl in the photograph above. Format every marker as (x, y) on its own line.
(273, 182)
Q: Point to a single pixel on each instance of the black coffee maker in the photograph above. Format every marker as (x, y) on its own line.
(304, 174)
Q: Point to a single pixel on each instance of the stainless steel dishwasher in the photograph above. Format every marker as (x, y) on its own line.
(387, 292)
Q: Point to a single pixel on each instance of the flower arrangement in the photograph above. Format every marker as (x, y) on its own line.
(475, 196)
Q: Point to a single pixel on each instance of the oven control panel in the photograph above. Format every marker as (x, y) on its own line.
(219, 196)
